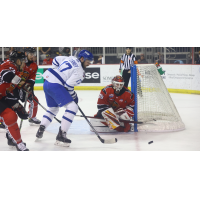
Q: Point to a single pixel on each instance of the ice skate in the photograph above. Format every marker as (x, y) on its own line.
(11, 141)
(21, 147)
(40, 132)
(61, 139)
(2, 125)
(34, 121)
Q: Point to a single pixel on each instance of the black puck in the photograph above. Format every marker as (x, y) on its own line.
(150, 142)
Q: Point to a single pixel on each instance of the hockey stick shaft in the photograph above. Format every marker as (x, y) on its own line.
(26, 99)
(102, 140)
(40, 104)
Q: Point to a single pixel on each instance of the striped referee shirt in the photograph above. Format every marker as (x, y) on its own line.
(127, 61)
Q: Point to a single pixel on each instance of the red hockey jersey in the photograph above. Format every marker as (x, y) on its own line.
(7, 72)
(108, 98)
(31, 69)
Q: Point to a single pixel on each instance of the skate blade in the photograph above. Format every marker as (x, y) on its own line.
(37, 139)
(61, 144)
(31, 124)
(12, 147)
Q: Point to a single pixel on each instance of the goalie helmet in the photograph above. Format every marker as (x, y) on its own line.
(118, 83)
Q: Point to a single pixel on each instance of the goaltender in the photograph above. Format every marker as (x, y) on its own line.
(115, 103)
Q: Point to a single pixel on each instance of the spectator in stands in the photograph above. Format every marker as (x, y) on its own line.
(48, 60)
(142, 60)
(197, 61)
(7, 56)
(100, 60)
(65, 51)
(160, 57)
(16, 49)
(44, 51)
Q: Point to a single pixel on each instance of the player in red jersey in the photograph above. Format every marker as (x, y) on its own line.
(30, 70)
(117, 101)
(10, 78)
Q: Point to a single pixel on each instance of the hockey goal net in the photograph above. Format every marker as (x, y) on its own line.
(153, 103)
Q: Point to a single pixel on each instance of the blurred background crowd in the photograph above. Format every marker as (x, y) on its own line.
(112, 55)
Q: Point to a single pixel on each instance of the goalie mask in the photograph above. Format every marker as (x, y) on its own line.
(118, 83)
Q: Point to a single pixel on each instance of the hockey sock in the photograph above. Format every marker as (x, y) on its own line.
(49, 115)
(10, 119)
(70, 112)
(33, 107)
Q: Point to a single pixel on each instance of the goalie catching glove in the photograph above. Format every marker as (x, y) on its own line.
(125, 114)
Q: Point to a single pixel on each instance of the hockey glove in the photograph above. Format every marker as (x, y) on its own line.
(75, 97)
(27, 87)
(76, 100)
(24, 75)
(11, 88)
(19, 109)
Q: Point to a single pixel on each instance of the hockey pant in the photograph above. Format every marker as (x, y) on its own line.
(9, 118)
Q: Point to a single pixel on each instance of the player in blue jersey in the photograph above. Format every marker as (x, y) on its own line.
(66, 73)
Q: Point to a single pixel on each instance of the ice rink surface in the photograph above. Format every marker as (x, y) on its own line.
(187, 105)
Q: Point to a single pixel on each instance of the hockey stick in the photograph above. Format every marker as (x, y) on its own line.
(25, 102)
(121, 120)
(111, 141)
(40, 104)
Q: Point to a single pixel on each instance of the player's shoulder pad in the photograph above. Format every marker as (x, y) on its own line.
(106, 88)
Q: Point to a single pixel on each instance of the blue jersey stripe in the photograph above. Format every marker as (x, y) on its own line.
(69, 120)
(56, 61)
(47, 118)
(57, 75)
(69, 85)
(55, 64)
(70, 112)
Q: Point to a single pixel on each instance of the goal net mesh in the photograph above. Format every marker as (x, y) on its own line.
(154, 104)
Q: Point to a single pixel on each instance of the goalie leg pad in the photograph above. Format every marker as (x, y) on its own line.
(125, 128)
(111, 118)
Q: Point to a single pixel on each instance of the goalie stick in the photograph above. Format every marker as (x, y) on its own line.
(111, 141)
(121, 120)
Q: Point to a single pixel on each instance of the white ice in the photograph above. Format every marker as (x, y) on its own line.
(188, 106)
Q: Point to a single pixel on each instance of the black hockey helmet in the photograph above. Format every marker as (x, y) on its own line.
(15, 55)
(29, 50)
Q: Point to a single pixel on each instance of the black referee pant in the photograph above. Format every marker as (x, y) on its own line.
(126, 77)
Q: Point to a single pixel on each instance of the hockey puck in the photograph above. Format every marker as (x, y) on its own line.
(150, 142)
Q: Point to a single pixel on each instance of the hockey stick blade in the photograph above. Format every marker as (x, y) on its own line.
(111, 141)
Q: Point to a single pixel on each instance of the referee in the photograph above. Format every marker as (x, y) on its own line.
(127, 60)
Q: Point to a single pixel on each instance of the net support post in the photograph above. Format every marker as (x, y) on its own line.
(134, 91)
